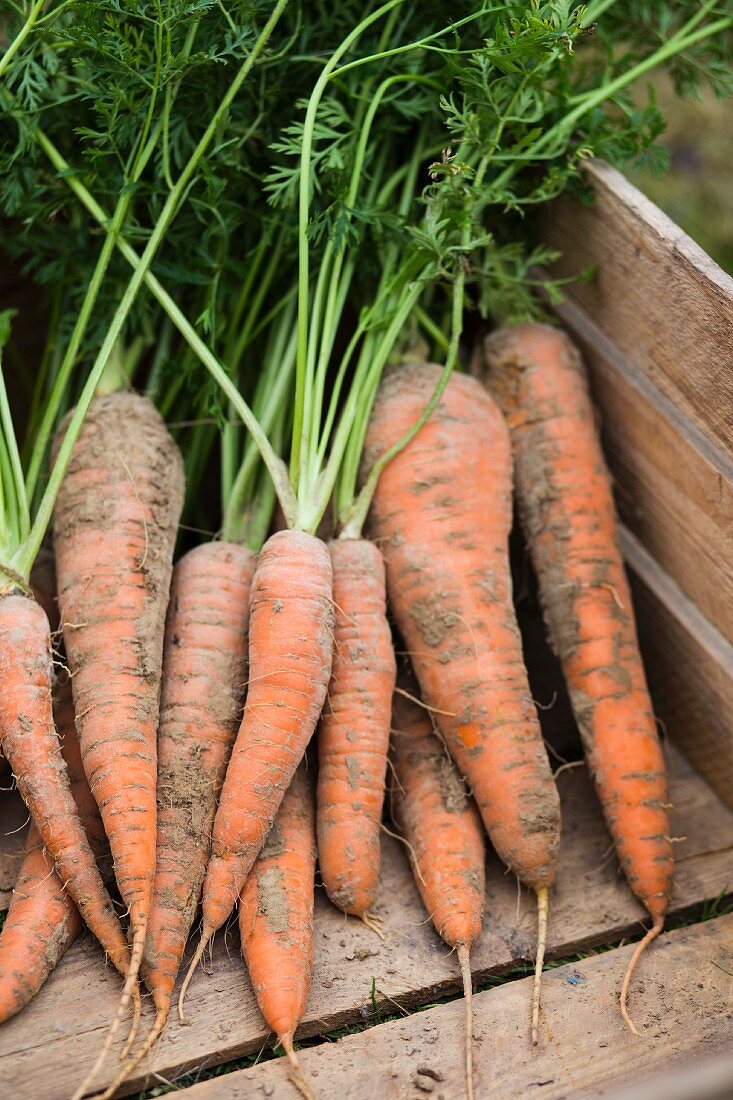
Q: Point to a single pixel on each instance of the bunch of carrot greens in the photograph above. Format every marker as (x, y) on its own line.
(261, 215)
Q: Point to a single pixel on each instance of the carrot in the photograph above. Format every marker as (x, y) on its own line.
(445, 839)
(353, 735)
(115, 525)
(276, 917)
(42, 921)
(290, 647)
(204, 679)
(30, 744)
(441, 514)
(568, 515)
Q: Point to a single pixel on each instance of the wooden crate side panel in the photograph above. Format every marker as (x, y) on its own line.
(674, 489)
(658, 296)
(681, 1003)
(689, 667)
(44, 1050)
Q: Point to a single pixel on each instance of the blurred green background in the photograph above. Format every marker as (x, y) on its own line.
(697, 190)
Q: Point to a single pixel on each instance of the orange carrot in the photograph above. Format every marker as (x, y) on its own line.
(204, 680)
(353, 735)
(445, 840)
(276, 916)
(441, 515)
(42, 921)
(30, 744)
(115, 525)
(567, 510)
(290, 647)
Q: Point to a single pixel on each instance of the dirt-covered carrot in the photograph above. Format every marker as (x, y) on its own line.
(204, 680)
(115, 525)
(290, 647)
(276, 916)
(42, 921)
(441, 515)
(567, 511)
(442, 827)
(353, 735)
(31, 746)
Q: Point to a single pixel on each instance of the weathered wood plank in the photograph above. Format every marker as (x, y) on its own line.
(658, 296)
(673, 487)
(681, 1003)
(709, 1080)
(689, 666)
(43, 1050)
(13, 829)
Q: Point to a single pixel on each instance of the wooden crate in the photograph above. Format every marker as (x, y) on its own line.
(656, 327)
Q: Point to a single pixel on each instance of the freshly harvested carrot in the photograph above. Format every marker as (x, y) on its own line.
(441, 515)
(115, 526)
(276, 917)
(442, 827)
(204, 681)
(42, 921)
(353, 735)
(31, 746)
(290, 649)
(567, 511)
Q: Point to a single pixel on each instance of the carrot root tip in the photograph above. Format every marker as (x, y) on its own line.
(374, 923)
(464, 961)
(155, 1033)
(543, 908)
(641, 947)
(296, 1075)
(205, 939)
(137, 1010)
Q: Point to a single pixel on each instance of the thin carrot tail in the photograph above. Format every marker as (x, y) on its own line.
(157, 1030)
(206, 935)
(464, 961)
(652, 934)
(128, 994)
(373, 922)
(543, 908)
(137, 1010)
(296, 1074)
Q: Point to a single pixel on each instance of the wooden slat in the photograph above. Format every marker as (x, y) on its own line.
(682, 1005)
(674, 488)
(709, 1080)
(43, 1051)
(659, 297)
(689, 666)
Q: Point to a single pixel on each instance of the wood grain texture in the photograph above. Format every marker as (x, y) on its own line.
(657, 295)
(673, 487)
(43, 1050)
(682, 1003)
(689, 667)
